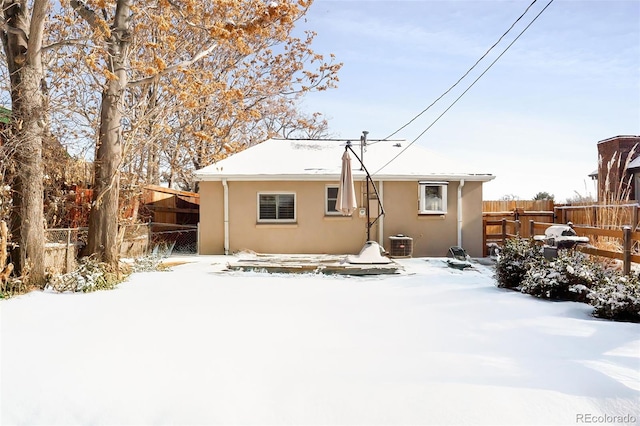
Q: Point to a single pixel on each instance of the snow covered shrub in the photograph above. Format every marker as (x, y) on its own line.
(150, 263)
(617, 297)
(91, 275)
(570, 276)
(514, 260)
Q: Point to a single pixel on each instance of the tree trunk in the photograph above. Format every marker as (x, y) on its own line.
(28, 198)
(22, 40)
(103, 219)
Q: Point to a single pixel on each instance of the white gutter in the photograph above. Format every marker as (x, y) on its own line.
(381, 219)
(460, 186)
(336, 177)
(225, 204)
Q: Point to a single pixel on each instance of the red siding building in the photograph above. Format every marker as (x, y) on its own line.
(619, 168)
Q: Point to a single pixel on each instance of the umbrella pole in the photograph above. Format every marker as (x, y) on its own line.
(368, 214)
(363, 144)
(369, 179)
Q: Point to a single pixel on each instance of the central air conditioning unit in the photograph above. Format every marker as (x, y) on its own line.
(400, 246)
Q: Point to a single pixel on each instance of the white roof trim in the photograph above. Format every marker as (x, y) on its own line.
(336, 177)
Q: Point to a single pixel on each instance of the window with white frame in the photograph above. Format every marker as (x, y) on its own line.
(432, 197)
(276, 207)
(331, 198)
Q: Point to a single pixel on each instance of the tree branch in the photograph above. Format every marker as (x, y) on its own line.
(175, 67)
(69, 42)
(36, 30)
(85, 13)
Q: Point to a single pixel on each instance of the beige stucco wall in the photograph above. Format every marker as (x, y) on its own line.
(211, 226)
(434, 234)
(315, 232)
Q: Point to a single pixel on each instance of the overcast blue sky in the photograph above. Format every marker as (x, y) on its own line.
(533, 120)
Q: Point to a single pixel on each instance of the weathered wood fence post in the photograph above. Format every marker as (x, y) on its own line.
(626, 249)
(67, 253)
(531, 228)
(149, 237)
(504, 231)
(517, 226)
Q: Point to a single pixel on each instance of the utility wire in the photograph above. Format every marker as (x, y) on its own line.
(466, 90)
(466, 73)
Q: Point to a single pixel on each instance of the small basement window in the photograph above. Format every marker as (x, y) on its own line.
(276, 207)
(432, 197)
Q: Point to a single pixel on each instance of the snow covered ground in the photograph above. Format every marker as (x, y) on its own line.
(198, 346)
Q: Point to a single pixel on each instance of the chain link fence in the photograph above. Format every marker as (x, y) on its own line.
(174, 238)
(64, 245)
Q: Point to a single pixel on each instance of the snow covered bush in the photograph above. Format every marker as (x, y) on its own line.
(570, 276)
(91, 275)
(514, 260)
(617, 297)
(150, 263)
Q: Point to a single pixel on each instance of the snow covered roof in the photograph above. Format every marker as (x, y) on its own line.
(634, 164)
(297, 159)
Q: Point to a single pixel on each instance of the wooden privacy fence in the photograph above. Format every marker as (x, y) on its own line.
(545, 212)
(493, 212)
(621, 241)
(599, 215)
(511, 205)
(611, 215)
(493, 222)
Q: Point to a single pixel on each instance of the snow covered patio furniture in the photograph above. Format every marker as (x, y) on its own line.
(368, 262)
(458, 258)
(559, 237)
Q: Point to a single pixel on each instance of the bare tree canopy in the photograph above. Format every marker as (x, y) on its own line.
(151, 90)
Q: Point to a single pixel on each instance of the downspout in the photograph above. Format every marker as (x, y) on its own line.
(381, 221)
(460, 186)
(225, 206)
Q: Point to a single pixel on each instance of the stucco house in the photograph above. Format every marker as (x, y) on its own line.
(279, 197)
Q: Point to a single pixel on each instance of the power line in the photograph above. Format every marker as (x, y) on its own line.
(466, 90)
(468, 71)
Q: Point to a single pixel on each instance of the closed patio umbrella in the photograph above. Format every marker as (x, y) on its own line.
(346, 202)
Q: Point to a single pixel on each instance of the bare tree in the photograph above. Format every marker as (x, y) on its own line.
(22, 37)
(103, 219)
(174, 38)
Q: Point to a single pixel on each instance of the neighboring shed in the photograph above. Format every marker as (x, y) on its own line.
(279, 197)
(166, 205)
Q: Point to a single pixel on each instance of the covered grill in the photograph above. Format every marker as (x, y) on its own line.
(559, 237)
